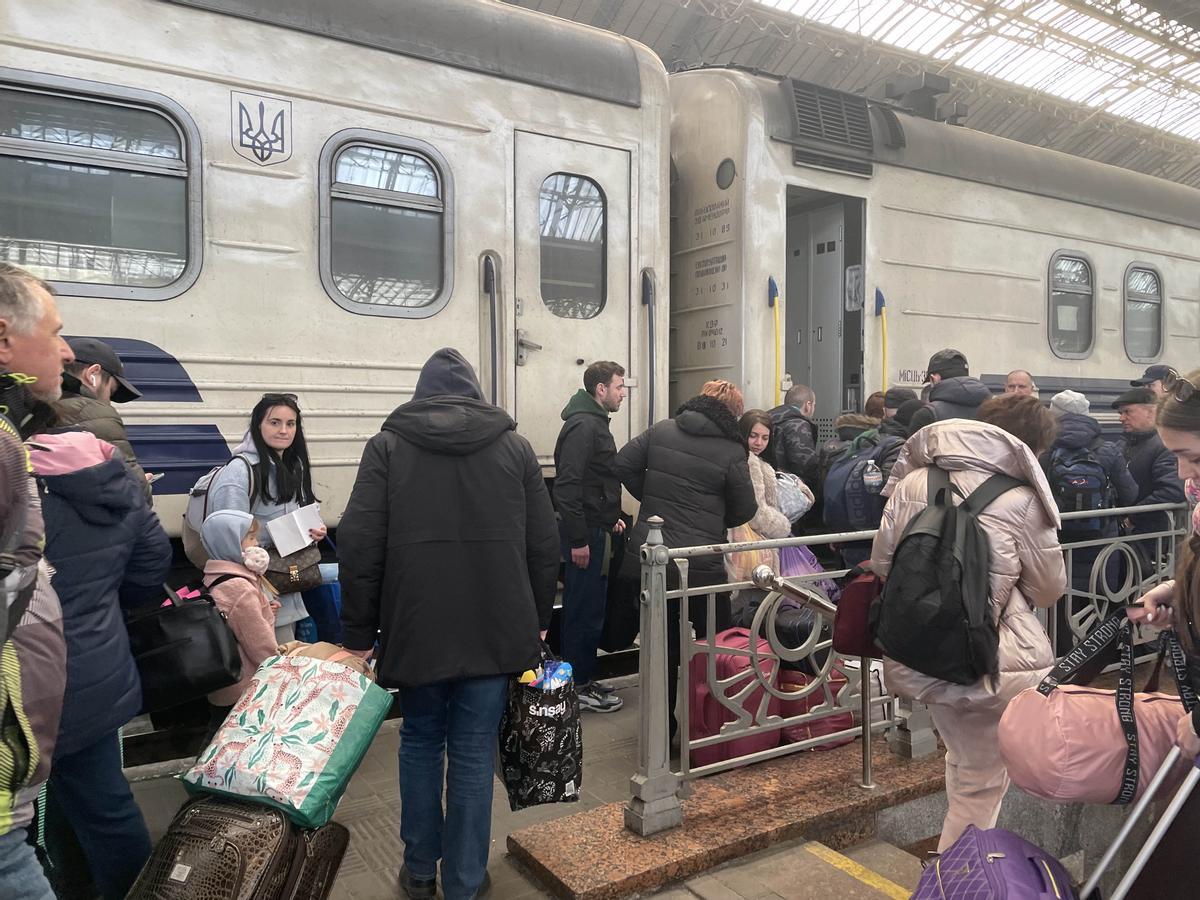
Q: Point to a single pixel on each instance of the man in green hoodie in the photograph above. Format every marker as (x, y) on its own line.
(587, 495)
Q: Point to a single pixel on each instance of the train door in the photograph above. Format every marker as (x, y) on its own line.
(572, 270)
(824, 342)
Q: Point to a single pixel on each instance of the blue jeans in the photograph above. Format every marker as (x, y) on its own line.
(21, 875)
(584, 606)
(458, 720)
(91, 791)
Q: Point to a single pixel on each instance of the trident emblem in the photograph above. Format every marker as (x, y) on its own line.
(255, 139)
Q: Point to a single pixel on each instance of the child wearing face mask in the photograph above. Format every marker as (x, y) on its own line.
(233, 577)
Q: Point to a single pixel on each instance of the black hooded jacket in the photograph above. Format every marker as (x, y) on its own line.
(692, 471)
(793, 445)
(951, 398)
(587, 492)
(449, 545)
(1154, 469)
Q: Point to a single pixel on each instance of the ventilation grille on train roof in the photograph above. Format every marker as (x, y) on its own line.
(830, 116)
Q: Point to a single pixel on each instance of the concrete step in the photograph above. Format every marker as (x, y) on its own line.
(801, 870)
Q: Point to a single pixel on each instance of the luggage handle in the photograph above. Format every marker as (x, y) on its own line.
(1052, 890)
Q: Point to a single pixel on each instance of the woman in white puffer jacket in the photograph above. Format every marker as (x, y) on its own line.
(1026, 571)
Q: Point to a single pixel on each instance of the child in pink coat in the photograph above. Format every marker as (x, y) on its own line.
(233, 578)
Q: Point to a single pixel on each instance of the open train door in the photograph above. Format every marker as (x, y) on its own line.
(573, 301)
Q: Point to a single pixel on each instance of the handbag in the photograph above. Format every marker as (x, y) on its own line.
(183, 650)
(296, 735)
(295, 573)
(852, 633)
(540, 756)
(1069, 743)
(795, 499)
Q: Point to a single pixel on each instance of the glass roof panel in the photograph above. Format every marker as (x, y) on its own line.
(1147, 70)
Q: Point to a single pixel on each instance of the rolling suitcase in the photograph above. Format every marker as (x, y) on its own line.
(994, 865)
(1173, 884)
(222, 849)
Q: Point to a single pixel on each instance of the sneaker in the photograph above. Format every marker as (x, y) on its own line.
(603, 688)
(417, 888)
(594, 700)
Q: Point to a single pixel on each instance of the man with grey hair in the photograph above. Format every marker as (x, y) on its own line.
(1019, 381)
(31, 689)
(31, 342)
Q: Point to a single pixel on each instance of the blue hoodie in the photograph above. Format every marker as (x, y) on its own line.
(107, 548)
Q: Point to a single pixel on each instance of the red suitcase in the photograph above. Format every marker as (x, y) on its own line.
(790, 680)
(706, 714)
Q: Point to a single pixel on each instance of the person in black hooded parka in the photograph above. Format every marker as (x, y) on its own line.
(691, 471)
(449, 548)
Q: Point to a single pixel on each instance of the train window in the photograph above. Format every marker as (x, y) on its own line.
(95, 193)
(1072, 300)
(1143, 313)
(571, 218)
(386, 235)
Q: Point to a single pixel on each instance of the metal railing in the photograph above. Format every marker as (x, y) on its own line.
(1122, 569)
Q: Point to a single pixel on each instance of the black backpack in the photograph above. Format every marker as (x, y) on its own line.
(1079, 482)
(933, 614)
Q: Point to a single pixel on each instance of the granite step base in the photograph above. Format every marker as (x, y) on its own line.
(814, 795)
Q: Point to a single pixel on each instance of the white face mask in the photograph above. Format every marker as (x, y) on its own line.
(255, 559)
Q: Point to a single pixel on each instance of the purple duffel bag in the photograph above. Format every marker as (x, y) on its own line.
(994, 865)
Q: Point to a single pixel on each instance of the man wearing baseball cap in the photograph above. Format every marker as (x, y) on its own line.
(1152, 378)
(91, 385)
(953, 393)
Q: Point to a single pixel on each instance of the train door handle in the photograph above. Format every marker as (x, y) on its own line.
(524, 345)
(820, 333)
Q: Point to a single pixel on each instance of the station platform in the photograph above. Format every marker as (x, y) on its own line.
(806, 810)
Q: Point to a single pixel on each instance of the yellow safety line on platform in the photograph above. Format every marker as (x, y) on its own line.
(857, 872)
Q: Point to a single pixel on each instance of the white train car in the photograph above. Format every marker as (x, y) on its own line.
(1020, 257)
(312, 196)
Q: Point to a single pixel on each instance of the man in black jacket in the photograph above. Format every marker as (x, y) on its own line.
(794, 435)
(693, 472)
(953, 393)
(587, 495)
(1153, 468)
(449, 550)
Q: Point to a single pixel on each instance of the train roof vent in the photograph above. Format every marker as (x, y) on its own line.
(833, 117)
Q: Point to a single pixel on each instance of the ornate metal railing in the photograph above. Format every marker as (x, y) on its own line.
(1123, 568)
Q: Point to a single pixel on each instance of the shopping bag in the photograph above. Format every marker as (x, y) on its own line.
(743, 562)
(541, 745)
(296, 736)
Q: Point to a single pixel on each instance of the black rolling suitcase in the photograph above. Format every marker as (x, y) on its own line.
(1161, 868)
(220, 849)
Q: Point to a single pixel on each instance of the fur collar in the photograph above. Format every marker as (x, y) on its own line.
(716, 412)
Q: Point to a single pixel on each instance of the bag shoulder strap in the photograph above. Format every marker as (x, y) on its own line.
(981, 498)
(228, 576)
(937, 480)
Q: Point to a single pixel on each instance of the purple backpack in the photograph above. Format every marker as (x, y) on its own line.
(994, 865)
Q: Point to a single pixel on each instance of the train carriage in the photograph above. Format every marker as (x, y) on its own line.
(312, 196)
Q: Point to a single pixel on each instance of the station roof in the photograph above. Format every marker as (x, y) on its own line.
(1110, 80)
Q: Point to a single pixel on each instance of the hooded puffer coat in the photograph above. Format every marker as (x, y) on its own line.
(1026, 567)
(107, 548)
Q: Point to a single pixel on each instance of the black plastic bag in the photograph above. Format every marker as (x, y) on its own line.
(541, 745)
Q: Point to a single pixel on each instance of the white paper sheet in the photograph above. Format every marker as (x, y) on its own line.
(290, 532)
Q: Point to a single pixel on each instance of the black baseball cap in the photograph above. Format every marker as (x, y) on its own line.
(1135, 395)
(895, 397)
(948, 363)
(94, 352)
(1152, 374)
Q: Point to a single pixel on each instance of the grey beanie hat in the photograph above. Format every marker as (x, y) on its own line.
(1069, 402)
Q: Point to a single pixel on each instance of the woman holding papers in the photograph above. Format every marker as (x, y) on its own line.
(277, 483)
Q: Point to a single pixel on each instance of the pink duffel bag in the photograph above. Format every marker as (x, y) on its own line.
(1070, 743)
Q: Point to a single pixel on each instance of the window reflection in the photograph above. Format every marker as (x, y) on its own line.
(1143, 314)
(571, 217)
(93, 125)
(386, 170)
(1071, 306)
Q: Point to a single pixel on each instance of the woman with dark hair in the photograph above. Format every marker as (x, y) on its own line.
(769, 521)
(1025, 570)
(1177, 603)
(275, 480)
